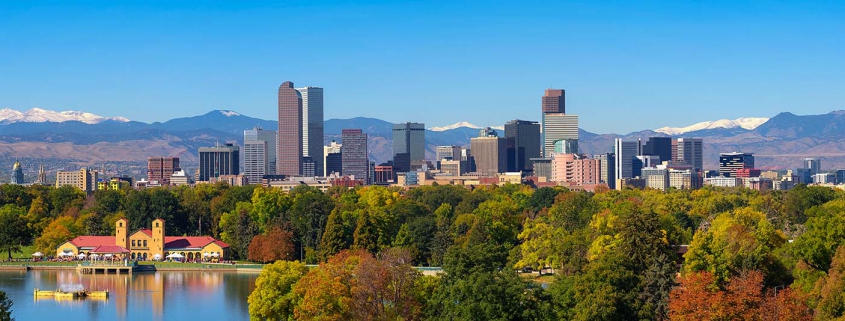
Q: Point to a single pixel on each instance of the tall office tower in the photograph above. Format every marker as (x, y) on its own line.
(625, 153)
(558, 127)
(691, 152)
(674, 150)
(259, 153)
(159, 169)
(312, 126)
(729, 163)
(523, 144)
(408, 145)
(490, 155)
(332, 148)
(17, 173)
(219, 160)
(814, 165)
(289, 143)
(607, 171)
(554, 101)
(660, 147)
(353, 152)
(840, 176)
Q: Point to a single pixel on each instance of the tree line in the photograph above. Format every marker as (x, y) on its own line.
(613, 254)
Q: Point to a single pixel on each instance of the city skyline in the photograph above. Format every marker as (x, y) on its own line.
(668, 61)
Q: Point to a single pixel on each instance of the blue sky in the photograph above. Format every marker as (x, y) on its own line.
(625, 65)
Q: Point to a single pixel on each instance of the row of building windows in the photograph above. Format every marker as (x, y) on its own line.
(139, 243)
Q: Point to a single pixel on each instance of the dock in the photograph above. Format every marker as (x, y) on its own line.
(106, 268)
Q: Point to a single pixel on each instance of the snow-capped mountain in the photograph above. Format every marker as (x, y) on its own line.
(38, 115)
(462, 124)
(745, 122)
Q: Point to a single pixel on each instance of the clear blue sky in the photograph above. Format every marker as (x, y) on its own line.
(625, 65)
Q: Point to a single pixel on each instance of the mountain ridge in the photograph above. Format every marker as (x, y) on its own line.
(780, 142)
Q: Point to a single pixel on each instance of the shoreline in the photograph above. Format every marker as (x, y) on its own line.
(145, 268)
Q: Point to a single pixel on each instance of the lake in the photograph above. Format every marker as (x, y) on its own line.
(162, 295)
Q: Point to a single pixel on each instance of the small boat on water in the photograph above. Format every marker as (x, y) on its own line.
(97, 294)
(73, 294)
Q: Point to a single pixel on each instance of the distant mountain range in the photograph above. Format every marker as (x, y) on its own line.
(778, 142)
(746, 123)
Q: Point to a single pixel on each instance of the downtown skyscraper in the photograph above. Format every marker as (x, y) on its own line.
(523, 141)
(259, 153)
(408, 145)
(557, 125)
(312, 126)
(353, 153)
(290, 143)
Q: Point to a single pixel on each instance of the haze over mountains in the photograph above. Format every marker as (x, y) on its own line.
(778, 142)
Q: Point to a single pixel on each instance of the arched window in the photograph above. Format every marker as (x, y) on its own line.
(156, 224)
(120, 224)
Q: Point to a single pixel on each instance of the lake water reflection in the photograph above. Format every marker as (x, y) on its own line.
(142, 296)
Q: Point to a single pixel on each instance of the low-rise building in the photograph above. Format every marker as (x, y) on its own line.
(146, 244)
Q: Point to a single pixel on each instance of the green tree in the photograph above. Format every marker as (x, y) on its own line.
(14, 231)
(5, 307)
(65, 197)
(366, 233)
(337, 237)
(238, 229)
(273, 297)
(57, 233)
(742, 239)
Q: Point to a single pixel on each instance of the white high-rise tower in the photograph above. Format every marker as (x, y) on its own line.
(312, 126)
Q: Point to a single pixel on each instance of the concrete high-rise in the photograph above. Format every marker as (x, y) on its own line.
(523, 139)
(558, 127)
(408, 145)
(608, 169)
(691, 152)
(84, 179)
(312, 126)
(219, 160)
(448, 153)
(625, 153)
(660, 147)
(289, 144)
(729, 163)
(813, 165)
(259, 153)
(159, 169)
(490, 155)
(354, 160)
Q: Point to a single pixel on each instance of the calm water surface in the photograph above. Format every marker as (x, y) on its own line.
(192, 296)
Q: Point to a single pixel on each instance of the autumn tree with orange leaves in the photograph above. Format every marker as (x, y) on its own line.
(743, 298)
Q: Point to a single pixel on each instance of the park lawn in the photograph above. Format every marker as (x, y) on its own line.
(542, 279)
(26, 253)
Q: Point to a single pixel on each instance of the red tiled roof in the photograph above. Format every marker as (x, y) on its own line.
(147, 231)
(221, 244)
(183, 242)
(92, 241)
(109, 249)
